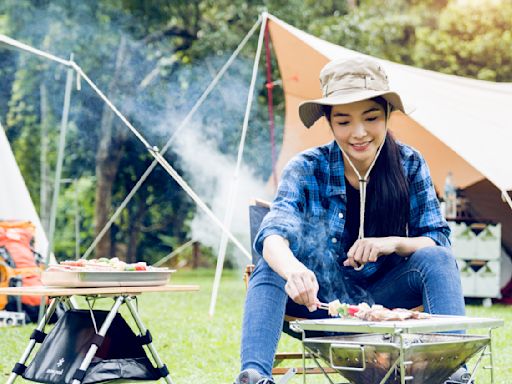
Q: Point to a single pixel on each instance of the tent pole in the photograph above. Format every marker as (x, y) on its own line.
(60, 161)
(234, 184)
(506, 197)
(43, 157)
(58, 171)
(183, 124)
(77, 220)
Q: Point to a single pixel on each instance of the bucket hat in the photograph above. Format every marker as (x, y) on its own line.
(345, 81)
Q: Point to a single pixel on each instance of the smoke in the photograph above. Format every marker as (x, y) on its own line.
(207, 149)
(211, 174)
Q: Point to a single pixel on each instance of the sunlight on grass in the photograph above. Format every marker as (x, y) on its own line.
(199, 349)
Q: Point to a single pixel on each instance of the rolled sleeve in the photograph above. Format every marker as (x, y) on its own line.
(425, 218)
(286, 211)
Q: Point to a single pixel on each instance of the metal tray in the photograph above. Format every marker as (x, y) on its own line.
(436, 323)
(105, 278)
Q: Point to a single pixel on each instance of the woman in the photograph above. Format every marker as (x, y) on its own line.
(355, 220)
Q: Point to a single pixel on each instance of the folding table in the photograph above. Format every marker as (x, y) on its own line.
(120, 295)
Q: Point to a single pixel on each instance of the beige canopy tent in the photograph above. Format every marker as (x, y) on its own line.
(458, 124)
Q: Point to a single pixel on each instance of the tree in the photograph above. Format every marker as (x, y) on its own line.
(469, 39)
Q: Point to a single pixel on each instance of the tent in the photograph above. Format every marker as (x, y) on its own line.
(459, 124)
(15, 201)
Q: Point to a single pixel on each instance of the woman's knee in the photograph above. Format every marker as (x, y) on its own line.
(434, 257)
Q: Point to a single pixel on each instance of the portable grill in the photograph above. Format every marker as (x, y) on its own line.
(392, 352)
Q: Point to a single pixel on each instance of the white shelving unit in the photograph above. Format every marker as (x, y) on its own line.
(477, 248)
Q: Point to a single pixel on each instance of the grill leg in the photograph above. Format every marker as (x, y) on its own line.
(40, 327)
(143, 329)
(491, 360)
(103, 331)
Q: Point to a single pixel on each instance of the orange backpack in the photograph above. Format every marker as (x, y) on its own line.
(18, 260)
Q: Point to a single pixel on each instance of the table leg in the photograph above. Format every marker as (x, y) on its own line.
(40, 327)
(102, 332)
(143, 330)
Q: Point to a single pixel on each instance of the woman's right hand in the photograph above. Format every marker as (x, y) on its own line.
(301, 284)
(302, 287)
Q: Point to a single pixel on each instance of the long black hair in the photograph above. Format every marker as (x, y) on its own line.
(387, 194)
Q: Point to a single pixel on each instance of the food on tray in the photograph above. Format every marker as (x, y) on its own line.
(100, 265)
(374, 313)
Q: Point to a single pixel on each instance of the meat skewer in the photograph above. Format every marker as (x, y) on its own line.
(374, 313)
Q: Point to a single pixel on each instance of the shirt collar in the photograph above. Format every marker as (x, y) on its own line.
(336, 171)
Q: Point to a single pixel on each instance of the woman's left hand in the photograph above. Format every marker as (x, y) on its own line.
(369, 250)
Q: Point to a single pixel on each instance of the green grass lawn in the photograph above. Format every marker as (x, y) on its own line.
(199, 349)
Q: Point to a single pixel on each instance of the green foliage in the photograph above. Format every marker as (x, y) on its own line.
(22, 125)
(76, 207)
(471, 40)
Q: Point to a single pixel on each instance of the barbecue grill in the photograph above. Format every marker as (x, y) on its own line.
(392, 352)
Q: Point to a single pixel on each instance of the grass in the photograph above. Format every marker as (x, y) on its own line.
(199, 349)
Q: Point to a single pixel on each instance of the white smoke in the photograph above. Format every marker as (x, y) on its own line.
(210, 173)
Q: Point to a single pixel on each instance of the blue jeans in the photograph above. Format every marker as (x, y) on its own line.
(428, 277)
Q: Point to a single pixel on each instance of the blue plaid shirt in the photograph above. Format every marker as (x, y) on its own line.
(310, 208)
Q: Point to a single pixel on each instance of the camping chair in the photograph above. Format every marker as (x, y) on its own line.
(257, 211)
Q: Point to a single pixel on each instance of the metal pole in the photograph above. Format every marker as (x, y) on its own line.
(43, 189)
(102, 332)
(506, 197)
(228, 218)
(60, 161)
(58, 169)
(77, 221)
(40, 327)
(143, 330)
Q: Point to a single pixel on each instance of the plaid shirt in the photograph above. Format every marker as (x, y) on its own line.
(310, 208)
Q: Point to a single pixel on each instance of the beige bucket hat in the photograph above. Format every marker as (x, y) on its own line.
(345, 81)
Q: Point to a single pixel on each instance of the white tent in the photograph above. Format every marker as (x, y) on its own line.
(15, 201)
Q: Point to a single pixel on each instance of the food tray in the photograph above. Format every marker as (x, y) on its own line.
(105, 278)
(436, 323)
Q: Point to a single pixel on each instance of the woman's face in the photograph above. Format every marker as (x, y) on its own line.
(359, 130)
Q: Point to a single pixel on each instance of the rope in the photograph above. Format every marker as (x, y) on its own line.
(270, 97)
(27, 48)
(177, 251)
(363, 182)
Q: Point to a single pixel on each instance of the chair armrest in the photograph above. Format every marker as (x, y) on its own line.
(249, 269)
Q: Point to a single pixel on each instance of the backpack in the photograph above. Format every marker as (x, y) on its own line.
(19, 265)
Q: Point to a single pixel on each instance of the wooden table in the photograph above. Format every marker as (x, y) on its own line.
(120, 295)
